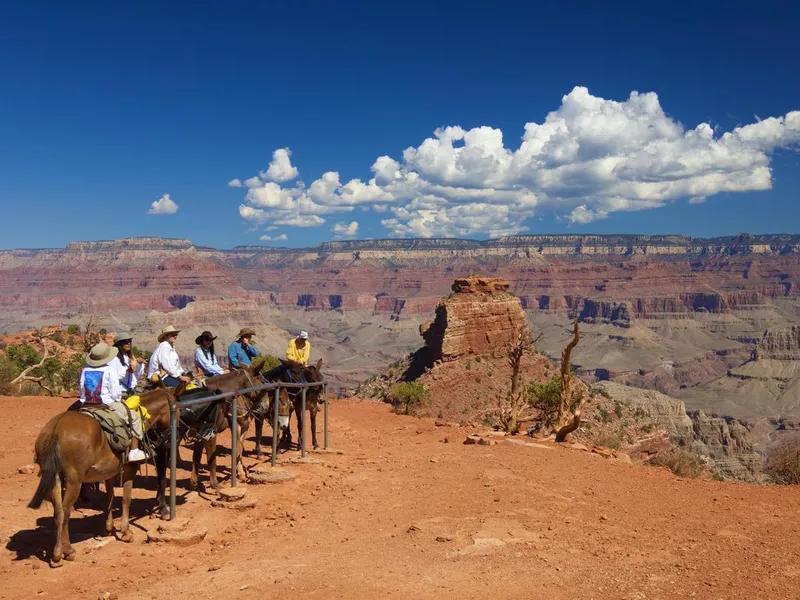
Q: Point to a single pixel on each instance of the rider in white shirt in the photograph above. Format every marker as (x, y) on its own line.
(205, 357)
(165, 361)
(129, 368)
(99, 384)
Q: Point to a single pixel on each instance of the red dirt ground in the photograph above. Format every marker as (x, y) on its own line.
(402, 514)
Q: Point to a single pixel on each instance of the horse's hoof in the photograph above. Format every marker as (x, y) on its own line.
(164, 515)
(126, 537)
(70, 555)
(56, 563)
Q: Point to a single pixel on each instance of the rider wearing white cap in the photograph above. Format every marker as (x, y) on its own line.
(299, 349)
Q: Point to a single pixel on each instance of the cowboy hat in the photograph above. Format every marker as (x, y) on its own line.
(122, 336)
(167, 331)
(245, 331)
(100, 354)
(303, 335)
(206, 335)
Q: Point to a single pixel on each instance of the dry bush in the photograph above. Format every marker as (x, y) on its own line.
(681, 462)
(783, 460)
(608, 439)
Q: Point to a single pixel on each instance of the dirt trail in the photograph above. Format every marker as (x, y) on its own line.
(402, 514)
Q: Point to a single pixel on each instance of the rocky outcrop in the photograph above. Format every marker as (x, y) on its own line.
(594, 311)
(480, 317)
(780, 344)
(724, 441)
(728, 443)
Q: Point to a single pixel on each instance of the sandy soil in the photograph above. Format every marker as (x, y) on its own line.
(401, 514)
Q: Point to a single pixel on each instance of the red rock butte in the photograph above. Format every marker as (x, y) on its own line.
(480, 317)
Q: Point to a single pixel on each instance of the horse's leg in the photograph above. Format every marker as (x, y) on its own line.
(126, 535)
(109, 506)
(71, 493)
(259, 430)
(161, 481)
(313, 410)
(300, 426)
(58, 516)
(244, 425)
(197, 456)
(211, 458)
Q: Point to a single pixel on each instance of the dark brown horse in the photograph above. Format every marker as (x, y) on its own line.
(71, 450)
(252, 404)
(291, 372)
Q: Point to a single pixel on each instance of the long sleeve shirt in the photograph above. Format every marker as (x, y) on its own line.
(207, 362)
(240, 355)
(165, 357)
(100, 385)
(297, 354)
(127, 378)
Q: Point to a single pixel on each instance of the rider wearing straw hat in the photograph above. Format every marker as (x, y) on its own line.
(165, 362)
(242, 352)
(129, 368)
(99, 384)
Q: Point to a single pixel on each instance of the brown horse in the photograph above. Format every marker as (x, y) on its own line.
(248, 376)
(291, 372)
(72, 449)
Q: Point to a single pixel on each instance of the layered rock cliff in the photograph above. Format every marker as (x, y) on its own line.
(480, 317)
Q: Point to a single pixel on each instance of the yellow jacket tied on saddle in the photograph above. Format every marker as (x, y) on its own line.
(297, 354)
(134, 403)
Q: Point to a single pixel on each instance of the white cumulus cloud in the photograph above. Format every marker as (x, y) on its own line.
(588, 158)
(235, 183)
(280, 169)
(342, 230)
(163, 206)
(277, 238)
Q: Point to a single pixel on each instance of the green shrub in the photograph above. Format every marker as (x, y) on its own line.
(73, 329)
(618, 408)
(605, 416)
(608, 439)
(407, 395)
(71, 372)
(639, 413)
(546, 398)
(58, 337)
(681, 462)
(477, 359)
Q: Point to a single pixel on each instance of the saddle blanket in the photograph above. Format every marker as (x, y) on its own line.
(117, 431)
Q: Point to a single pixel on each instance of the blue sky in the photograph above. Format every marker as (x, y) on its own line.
(105, 108)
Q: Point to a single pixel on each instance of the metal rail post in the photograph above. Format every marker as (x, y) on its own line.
(276, 406)
(325, 426)
(303, 421)
(234, 441)
(173, 456)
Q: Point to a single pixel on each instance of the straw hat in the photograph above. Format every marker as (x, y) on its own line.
(167, 331)
(245, 331)
(100, 354)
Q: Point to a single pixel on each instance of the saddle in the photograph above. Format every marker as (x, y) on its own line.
(117, 432)
(200, 418)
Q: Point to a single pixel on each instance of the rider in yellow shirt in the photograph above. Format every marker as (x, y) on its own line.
(299, 349)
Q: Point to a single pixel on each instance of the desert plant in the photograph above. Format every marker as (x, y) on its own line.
(407, 395)
(608, 439)
(605, 416)
(73, 329)
(511, 407)
(618, 408)
(783, 460)
(681, 462)
(569, 406)
(545, 398)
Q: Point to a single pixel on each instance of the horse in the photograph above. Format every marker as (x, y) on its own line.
(248, 405)
(291, 372)
(72, 449)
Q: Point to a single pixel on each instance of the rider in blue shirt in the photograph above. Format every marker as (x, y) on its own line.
(241, 352)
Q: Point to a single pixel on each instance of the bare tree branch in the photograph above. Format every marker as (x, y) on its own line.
(569, 418)
(38, 336)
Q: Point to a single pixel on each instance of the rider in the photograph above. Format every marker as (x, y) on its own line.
(129, 368)
(99, 384)
(165, 361)
(205, 358)
(299, 349)
(241, 352)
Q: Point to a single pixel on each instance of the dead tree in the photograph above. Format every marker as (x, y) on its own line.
(516, 400)
(569, 416)
(90, 334)
(25, 377)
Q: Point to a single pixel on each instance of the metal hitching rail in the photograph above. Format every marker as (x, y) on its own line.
(173, 425)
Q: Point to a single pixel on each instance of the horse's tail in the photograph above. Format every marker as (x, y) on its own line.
(50, 465)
